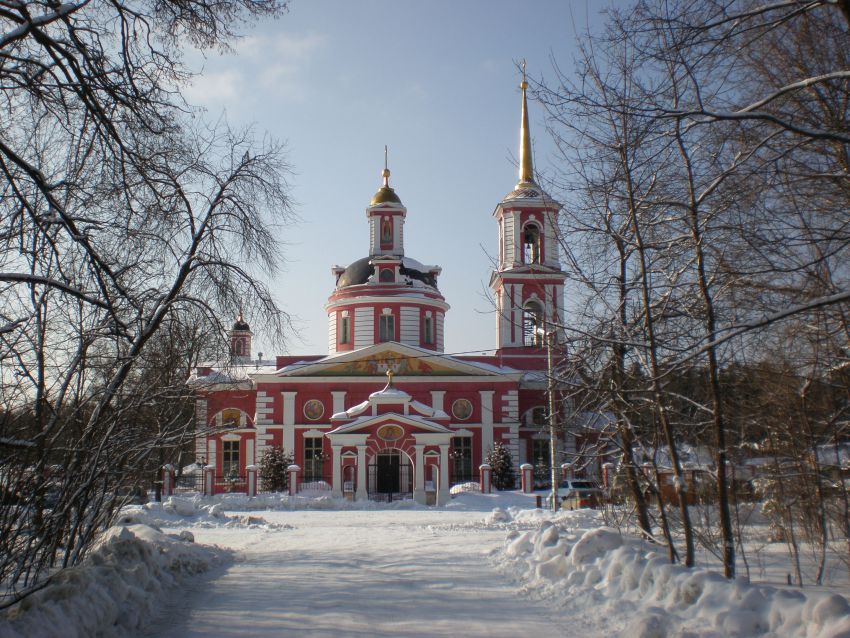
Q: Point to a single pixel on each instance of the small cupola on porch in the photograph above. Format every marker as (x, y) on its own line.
(391, 446)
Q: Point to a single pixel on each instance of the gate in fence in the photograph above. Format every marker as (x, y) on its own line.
(389, 479)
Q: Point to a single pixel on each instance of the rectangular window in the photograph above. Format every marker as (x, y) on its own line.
(344, 329)
(387, 328)
(429, 330)
(462, 460)
(313, 458)
(229, 458)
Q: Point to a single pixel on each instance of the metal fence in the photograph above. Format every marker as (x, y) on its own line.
(186, 483)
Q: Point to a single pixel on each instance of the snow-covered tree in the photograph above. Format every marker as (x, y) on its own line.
(502, 467)
(273, 464)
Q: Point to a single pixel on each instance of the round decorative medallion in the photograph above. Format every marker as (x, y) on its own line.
(390, 432)
(462, 409)
(314, 409)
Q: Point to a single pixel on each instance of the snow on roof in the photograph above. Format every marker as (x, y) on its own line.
(409, 262)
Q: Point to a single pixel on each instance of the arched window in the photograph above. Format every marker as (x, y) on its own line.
(387, 276)
(231, 418)
(386, 231)
(532, 325)
(428, 329)
(531, 244)
(539, 416)
(344, 328)
(240, 348)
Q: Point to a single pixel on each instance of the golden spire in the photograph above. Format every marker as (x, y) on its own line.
(385, 194)
(386, 172)
(389, 378)
(526, 168)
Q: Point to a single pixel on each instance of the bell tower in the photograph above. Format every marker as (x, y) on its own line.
(529, 284)
(240, 340)
(386, 220)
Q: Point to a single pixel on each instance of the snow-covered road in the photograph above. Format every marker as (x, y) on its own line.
(357, 573)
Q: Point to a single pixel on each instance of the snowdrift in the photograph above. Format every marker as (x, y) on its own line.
(114, 591)
(633, 589)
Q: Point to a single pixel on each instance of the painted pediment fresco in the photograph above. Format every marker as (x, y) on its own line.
(403, 360)
(378, 363)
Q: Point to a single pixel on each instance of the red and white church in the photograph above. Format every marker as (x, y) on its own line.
(386, 414)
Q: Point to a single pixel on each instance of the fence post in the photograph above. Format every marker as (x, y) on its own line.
(486, 483)
(293, 479)
(252, 480)
(527, 478)
(607, 475)
(167, 480)
(209, 479)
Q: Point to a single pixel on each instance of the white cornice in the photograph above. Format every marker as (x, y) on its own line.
(396, 297)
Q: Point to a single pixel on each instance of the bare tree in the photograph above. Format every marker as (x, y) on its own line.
(122, 222)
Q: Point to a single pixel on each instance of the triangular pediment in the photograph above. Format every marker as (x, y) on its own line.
(409, 422)
(404, 360)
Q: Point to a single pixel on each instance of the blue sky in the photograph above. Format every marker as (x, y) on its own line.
(437, 83)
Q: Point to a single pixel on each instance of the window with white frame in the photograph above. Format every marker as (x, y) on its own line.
(344, 328)
(229, 458)
(386, 328)
(313, 459)
(461, 455)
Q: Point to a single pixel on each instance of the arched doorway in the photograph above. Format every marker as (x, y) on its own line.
(390, 476)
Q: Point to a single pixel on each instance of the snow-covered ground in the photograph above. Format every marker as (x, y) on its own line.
(481, 566)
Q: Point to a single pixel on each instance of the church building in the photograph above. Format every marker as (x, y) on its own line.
(385, 413)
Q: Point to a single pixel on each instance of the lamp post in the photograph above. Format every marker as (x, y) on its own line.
(550, 335)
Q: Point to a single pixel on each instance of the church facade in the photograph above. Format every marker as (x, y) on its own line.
(386, 413)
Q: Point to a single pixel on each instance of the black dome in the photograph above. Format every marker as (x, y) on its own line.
(241, 325)
(358, 272)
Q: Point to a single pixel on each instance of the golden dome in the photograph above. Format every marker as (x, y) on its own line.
(385, 194)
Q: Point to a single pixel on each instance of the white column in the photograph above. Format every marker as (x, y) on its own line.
(485, 482)
(289, 421)
(338, 401)
(443, 493)
(437, 397)
(251, 470)
(516, 314)
(361, 494)
(486, 421)
(419, 475)
(336, 488)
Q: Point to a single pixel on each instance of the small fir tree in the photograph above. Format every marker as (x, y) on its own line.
(501, 467)
(273, 473)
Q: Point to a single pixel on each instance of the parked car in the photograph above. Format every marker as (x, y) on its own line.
(577, 493)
